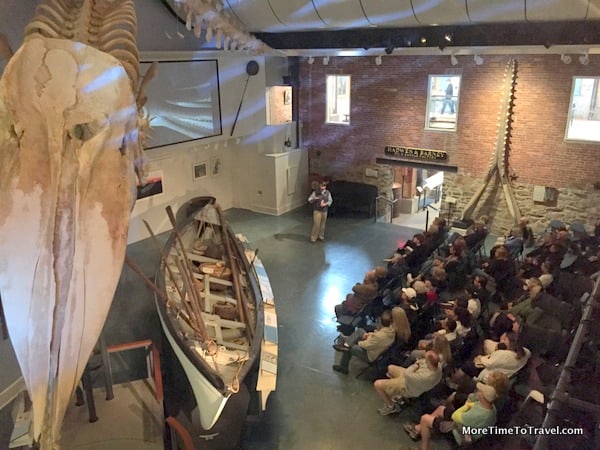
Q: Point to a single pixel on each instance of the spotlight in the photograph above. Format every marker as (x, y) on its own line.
(311, 60)
(423, 40)
(378, 60)
(448, 38)
(326, 60)
(389, 50)
(566, 59)
(478, 60)
(453, 60)
(584, 59)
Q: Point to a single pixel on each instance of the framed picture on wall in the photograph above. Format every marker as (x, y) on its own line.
(153, 186)
(199, 170)
(216, 166)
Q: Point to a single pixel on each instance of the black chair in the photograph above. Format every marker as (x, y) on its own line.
(378, 363)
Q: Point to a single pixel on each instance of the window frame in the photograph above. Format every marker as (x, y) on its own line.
(572, 109)
(347, 92)
(431, 101)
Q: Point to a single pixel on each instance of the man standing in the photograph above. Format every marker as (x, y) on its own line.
(448, 101)
(321, 200)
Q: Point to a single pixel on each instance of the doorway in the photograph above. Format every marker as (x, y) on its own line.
(424, 192)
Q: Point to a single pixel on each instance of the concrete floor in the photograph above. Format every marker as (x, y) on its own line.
(315, 407)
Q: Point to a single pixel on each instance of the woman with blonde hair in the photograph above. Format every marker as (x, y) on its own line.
(400, 324)
(439, 344)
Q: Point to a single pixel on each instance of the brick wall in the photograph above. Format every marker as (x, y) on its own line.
(388, 105)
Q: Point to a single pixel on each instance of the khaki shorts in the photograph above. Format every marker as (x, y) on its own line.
(396, 385)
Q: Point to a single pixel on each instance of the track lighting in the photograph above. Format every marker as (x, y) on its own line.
(584, 59)
(326, 60)
(378, 60)
(311, 60)
(453, 60)
(478, 60)
(566, 59)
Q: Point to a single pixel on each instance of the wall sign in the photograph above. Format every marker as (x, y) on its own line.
(417, 153)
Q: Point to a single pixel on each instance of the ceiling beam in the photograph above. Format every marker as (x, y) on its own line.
(547, 34)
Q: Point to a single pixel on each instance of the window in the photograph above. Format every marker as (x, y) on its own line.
(442, 102)
(338, 99)
(584, 113)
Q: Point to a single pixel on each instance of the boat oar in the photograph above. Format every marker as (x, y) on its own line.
(235, 273)
(187, 274)
(160, 293)
(164, 260)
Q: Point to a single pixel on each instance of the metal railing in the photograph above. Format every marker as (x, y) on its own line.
(388, 203)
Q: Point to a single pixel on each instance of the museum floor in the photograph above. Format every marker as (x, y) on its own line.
(313, 407)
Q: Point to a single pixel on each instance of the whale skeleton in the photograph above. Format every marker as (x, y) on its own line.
(70, 148)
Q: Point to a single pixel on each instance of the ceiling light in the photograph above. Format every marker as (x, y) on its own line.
(584, 59)
(326, 60)
(566, 59)
(478, 60)
(311, 60)
(378, 60)
(423, 40)
(453, 60)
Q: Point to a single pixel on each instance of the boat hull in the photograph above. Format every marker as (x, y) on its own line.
(211, 392)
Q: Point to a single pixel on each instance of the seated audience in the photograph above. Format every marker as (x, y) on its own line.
(367, 346)
(362, 293)
(438, 343)
(526, 310)
(463, 319)
(546, 277)
(406, 299)
(420, 377)
(477, 234)
(502, 270)
(514, 242)
(509, 357)
(526, 232)
(411, 257)
(477, 412)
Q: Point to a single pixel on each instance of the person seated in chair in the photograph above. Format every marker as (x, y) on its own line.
(514, 242)
(411, 257)
(527, 310)
(502, 269)
(368, 346)
(526, 232)
(420, 377)
(477, 412)
(405, 298)
(362, 293)
(438, 343)
(477, 235)
(509, 357)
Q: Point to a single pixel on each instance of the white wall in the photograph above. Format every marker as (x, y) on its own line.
(248, 179)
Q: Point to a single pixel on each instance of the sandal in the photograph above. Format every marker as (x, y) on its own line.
(410, 429)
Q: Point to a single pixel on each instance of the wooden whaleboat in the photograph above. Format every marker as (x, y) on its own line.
(216, 298)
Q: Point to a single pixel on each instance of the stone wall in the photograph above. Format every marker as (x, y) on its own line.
(572, 205)
(357, 173)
